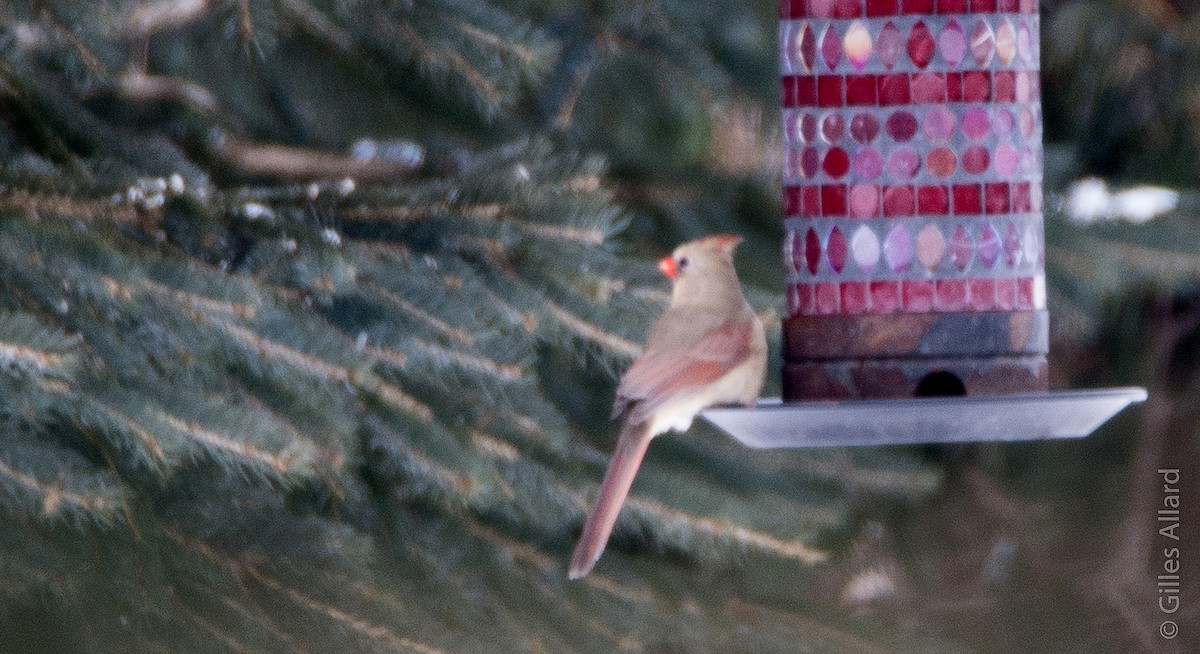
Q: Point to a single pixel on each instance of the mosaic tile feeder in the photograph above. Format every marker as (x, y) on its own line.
(912, 198)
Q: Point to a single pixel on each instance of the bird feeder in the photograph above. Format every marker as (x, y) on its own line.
(914, 249)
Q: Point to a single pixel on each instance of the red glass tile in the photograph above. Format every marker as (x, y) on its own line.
(928, 88)
(885, 296)
(836, 250)
(976, 86)
(952, 6)
(1021, 198)
(829, 91)
(898, 201)
(825, 298)
(918, 6)
(917, 295)
(950, 295)
(881, 7)
(809, 158)
(933, 200)
(831, 47)
(833, 127)
(901, 125)
(982, 294)
(953, 87)
(820, 8)
(864, 128)
(1004, 84)
(1025, 293)
(893, 89)
(975, 159)
(1006, 294)
(1011, 6)
(812, 250)
(806, 90)
(833, 200)
(941, 161)
(860, 90)
(805, 300)
(982, 6)
(967, 199)
(854, 298)
(847, 8)
(791, 201)
(920, 45)
(810, 201)
(995, 198)
(787, 91)
(799, 8)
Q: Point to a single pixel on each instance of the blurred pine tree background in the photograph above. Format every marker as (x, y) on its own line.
(311, 313)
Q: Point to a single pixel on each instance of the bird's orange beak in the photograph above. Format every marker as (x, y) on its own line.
(667, 266)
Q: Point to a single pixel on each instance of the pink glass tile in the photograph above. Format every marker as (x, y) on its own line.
(933, 201)
(836, 250)
(967, 199)
(1022, 87)
(983, 6)
(812, 250)
(928, 88)
(785, 8)
(833, 200)
(805, 300)
(995, 198)
(939, 124)
(1027, 123)
(976, 86)
(857, 44)
(868, 163)
(888, 45)
(882, 7)
(825, 298)
(898, 249)
(893, 89)
(864, 128)
(931, 247)
(794, 254)
(831, 47)
(1025, 293)
(950, 295)
(860, 90)
(854, 298)
(904, 163)
(1006, 42)
(1003, 121)
(833, 126)
(1022, 202)
(1012, 246)
(864, 201)
(1025, 44)
(941, 161)
(885, 296)
(1032, 246)
(917, 295)
(793, 301)
(1006, 159)
(901, 126)
(983, 43)
(1029, 6)
(988, 248)
(975, 159)
(960, 247)
(1009, 6)
(865, 249)
(1006, 294)
(952, 43)
(1004, 86)
(975, 123)
(982, 294)
(920, 45)
(898, 201)
(829, 91)
(809, 159)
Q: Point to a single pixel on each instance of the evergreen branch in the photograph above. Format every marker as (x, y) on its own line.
(212, 630)
(452, 61)
(11, 353)
(200, 304)
(849, 642)
(313, 21)
(35, 204)
(148, 439)
(54, 496)
(455, 333)
(277, 462)
(1157, 261)
(147, 19)
(790, 549)
(495, 41)
(88, 57)
(139, 86)
(504, 371)
(591, 332)
(295, 162)
(485, 213)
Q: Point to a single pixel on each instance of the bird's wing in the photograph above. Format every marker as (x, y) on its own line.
(661, 376)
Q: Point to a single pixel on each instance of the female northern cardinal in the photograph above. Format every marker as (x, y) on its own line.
(708, 348)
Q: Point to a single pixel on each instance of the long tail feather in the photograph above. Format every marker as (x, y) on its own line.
(631, 447)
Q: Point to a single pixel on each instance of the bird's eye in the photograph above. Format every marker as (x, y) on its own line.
(683, 263)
